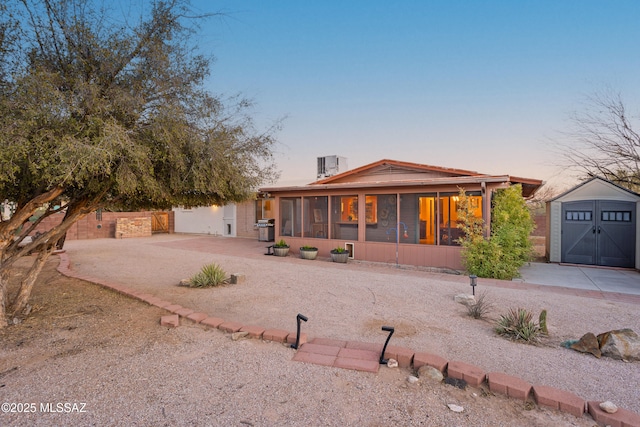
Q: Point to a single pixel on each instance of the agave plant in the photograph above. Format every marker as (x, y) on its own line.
(518, 324)
(210, 275)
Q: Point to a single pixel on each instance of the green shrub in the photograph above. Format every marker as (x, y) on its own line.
(518, 324)
(509, 246)
(338, 250)
(210, 275)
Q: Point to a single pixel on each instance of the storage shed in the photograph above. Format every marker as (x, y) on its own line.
(594, 223)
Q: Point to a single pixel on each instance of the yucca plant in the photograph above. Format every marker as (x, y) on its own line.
(518, 324)
(480, 308)
(210, 275)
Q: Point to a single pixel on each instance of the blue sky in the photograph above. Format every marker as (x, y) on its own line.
(480, 85)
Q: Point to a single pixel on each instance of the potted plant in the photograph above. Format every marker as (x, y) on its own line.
(308, 252)
(280, 248)
(339, 255)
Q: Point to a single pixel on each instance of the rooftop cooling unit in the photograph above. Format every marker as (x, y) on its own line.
(331, 165)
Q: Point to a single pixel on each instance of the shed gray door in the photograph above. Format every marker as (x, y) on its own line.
(599, 232)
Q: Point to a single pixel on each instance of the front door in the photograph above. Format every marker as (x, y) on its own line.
(599, 232)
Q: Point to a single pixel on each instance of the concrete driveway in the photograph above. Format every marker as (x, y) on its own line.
(623, 281)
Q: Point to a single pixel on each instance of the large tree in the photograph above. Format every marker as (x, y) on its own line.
(604, 141)
(101, 109)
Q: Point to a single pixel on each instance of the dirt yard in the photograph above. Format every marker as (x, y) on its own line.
(89, 356)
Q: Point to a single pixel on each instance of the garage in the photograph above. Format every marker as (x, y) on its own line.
(594, 224)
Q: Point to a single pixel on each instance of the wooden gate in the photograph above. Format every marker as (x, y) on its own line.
(160, 222)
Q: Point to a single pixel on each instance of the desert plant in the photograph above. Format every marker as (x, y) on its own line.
(338, 250)
(480, 308)
(210, 275)
(280, 244)
(542, 321)
(509, 247)
(308, 248)
(518, 324)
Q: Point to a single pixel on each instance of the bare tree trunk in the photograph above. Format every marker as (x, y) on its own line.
(20, 301)
(45, 244)
(3, 296)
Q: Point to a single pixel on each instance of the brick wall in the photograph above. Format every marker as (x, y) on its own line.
(133, 227)
(93, 226)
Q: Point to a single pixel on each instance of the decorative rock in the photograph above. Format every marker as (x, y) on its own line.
(237, 278)
(620, 344)
(608, 407)
(392, 363)
(587, 344)
(461, 384)
(465, 299)
(455, 408)
(185, 282)
(426, 371)
(239, 335)
(412, 380)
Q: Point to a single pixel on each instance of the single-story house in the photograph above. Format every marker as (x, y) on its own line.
(388, 211)
(594, 223)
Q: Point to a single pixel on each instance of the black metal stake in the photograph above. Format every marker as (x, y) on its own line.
(389, 329)
(299, 317)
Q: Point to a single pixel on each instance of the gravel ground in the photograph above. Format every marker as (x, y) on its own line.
(142, 374)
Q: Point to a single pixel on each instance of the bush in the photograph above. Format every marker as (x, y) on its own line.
(518, 324)
(480, 308)
(210, 275)
(338, 250)
(509, 247)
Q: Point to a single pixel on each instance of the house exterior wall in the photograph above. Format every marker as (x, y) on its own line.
(389, 250)
(201, 220)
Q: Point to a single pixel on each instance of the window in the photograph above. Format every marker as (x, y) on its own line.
(316, 217)
(418, 218)
(578, 215)
(291, 216)
(381, 218)
(264, 209)
(617, 216)
(344, 217)
(448, 219)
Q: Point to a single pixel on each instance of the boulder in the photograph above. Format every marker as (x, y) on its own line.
(465, 299)
(426, 371)
(620, 344)
(587, 344)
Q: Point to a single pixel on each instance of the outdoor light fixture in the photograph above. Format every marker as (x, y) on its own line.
(389, 329)
(299, 317)
(474, 282)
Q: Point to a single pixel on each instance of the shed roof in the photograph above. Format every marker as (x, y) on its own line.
(601, 182)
